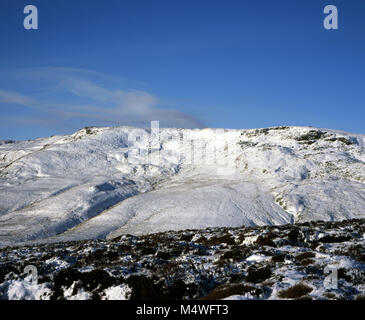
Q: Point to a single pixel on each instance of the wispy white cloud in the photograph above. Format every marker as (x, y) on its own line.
(100, 103)
(12, 97)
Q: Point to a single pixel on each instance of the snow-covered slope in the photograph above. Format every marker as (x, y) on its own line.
(104, 182)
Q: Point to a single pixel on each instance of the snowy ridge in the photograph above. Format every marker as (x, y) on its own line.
(105, 182)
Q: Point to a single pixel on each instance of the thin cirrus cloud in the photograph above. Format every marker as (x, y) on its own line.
(86, 98)
(12, 97)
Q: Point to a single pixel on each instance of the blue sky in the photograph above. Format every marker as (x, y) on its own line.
(231, 64)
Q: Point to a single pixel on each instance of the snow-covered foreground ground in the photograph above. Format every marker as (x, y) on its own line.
(264, 263)
(105, 182)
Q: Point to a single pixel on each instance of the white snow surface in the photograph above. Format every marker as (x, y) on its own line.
(25, 290)
(94, 184)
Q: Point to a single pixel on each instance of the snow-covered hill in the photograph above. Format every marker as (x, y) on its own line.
(104, 182)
